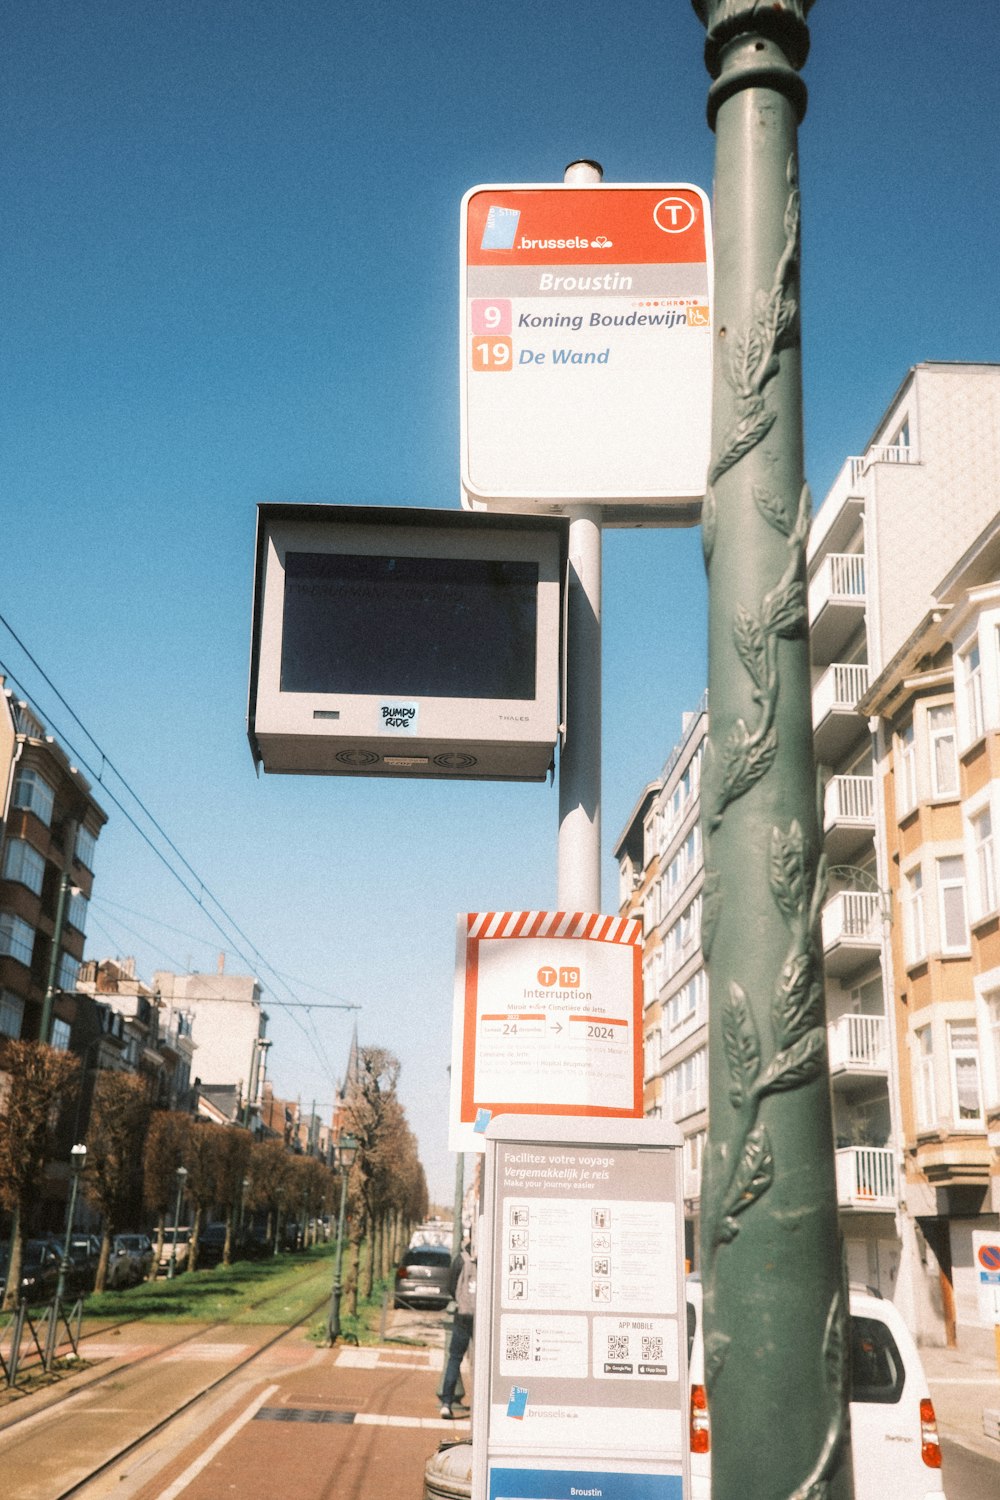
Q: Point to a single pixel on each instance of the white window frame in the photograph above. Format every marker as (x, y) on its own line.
(914, 924)
(991, 1002)
(966, 1051)
(906, 781)
(937, 738)
(972, 684)
(984, 859)
(69, 968)
(947, 884)
(924, 1100)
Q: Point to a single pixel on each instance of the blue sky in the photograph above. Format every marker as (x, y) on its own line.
(229, 272)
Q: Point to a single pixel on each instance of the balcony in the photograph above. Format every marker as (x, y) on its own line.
(836, 603)
(852, 930)
(858, 1047)
(838, 518)
(848, 816)
(837, 725)
(866, 1177)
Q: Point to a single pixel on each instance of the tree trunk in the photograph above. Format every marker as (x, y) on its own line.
(154, 1269)
(101, 1279)
(10, 1298)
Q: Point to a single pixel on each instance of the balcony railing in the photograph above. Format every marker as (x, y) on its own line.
(887, 453)
(853, 917)
(858, 1044)
(866, 1177)
(839, 689)
(850, 799)
(840, 577)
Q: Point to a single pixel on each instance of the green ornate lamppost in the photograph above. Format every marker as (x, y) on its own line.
(775, 1303)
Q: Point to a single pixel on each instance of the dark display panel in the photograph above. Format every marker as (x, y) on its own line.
(414, 627)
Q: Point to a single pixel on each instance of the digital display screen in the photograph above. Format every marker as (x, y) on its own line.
(409, 626)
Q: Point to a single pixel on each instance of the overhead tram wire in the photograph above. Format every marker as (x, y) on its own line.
(256, 965)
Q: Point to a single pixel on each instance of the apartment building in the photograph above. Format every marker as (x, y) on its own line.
(48, 841)
(661, 873)
(899, 557)
(904, 611)
(229, 1026)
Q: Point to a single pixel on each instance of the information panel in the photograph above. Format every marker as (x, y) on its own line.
(548, 1018)
(581, 1335)
(587, 348)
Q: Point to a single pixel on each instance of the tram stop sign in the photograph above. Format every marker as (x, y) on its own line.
(586, 349)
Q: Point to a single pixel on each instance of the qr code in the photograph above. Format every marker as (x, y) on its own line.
(518, 1346)
(652, 1347)
(618, 1346)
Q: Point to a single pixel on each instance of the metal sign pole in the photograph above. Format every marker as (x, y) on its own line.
(579, 855)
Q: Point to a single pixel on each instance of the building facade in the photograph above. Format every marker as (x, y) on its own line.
(898, 558)
(228, 1025)
(48, 842)
(904, 613)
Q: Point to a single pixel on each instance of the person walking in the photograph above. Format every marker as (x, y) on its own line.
(462, 1287)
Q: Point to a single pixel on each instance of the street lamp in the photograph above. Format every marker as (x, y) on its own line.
(347, 1150)
(181, 1180)
(77, 1162)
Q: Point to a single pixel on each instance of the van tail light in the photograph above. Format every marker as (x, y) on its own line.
(930, 1448)
(701, 1437)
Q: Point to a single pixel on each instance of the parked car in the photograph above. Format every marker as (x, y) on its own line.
(39, 1270)
(211, 1245)
(894, 1437)
(422, 1277)
(182, 1234)
(140, 1247)
(84, 1253)
(124, 1267)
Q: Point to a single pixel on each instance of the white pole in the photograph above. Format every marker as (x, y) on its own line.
(579, 863)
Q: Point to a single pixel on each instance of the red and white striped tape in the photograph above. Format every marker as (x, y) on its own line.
(554, 924)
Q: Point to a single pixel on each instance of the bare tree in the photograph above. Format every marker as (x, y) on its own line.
(203, 1150)
(39, 1080)
(119, 1120)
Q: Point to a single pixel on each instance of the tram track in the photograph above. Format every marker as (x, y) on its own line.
(136, 1442)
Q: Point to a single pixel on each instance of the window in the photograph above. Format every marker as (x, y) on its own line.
(86, 847)
(684, 1085)
(16, 937)
(69, 967)
(924, 1079)
(993, 1012)
(11, 1014)
(694, 1150)
(944, 765)
(76, 911)
(652, 1052)
(33, 793)
(915, 937)
(60, 1035)
(951, 894)
(877, 1371)
(23, 863)
(972, 668)
(963, 1058)
(986, 880)
(689, 1002)
(907, 779)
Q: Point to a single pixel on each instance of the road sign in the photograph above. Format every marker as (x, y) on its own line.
(986, 1248)
(548, 1019)
(586, 349)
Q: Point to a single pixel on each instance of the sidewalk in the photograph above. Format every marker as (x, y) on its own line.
(962, 1383)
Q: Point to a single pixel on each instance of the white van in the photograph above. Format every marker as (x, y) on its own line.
(894, 1437)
